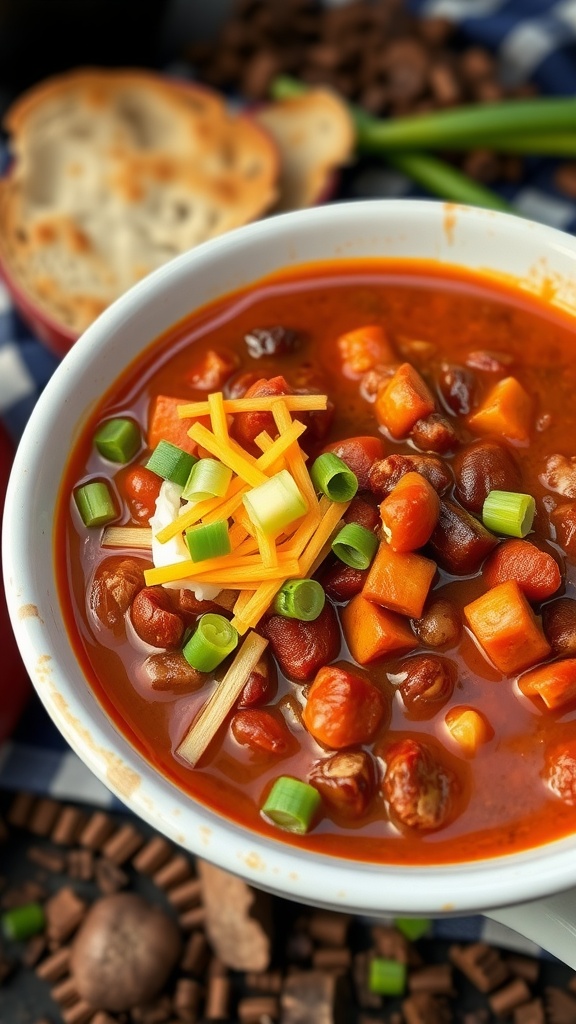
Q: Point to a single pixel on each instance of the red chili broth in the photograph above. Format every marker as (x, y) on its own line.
(505, 805)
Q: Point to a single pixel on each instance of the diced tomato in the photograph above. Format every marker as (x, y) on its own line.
(212, 371)
(343, 709)
(165, 424)
(363, 349)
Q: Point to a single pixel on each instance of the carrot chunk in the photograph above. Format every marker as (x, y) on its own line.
(505, 411)
(554, 683)
(371, 631)
(364, 348)
(166, 425)
(535, 571)
(506, 628)
(404, 400)
(399, 581)
(469, 728)
(410, 513)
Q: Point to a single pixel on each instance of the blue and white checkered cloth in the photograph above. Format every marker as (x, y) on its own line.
(532, 40)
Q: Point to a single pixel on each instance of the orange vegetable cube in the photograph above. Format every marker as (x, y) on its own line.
(505, 411)
(469, 728)
(165, 424)
(410, 513)
(506, 628)
(371, 631)
(399, 581)
(535, 571)
(364, 348)
(554, 683)
(403, 400)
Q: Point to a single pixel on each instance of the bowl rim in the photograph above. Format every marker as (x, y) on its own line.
(279, 867)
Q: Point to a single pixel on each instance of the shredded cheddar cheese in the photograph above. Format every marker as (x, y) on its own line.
(294, 403)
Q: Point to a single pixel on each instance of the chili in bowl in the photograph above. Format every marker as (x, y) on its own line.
(292, 565)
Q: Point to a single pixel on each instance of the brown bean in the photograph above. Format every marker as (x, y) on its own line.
(440, 626)
(270, 341)
(458, 387)
(435, 434)
(302, 648)
(373, 380)
(490, 362)
(418, 788)
(559, 623)
(263, 732)
(460, 543)
(154, 618)
(116, 582)
(385, 473)
(170, 671)
(346, 781)
(425, 683)
(481, 467)
(342, 582)
(261, 685)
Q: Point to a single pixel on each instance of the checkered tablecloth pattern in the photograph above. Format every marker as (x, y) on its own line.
(533, 39)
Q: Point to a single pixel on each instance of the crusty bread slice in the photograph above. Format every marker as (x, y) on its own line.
(315, 136)
(115, 172)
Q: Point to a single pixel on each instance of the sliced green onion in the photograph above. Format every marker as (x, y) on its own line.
(95, 503)
(22, 922)
(331, 476)
(509, 513)
(118, 440)
(386, 977)
(209, 540)
(292, 804)
(413, 928)
(275, 504)
(171, 463)
(208, 478)
(355, 545)
(213, 640)
(300, 599)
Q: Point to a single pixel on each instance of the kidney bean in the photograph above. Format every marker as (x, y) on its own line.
(458, 388)
(364, 512)
(262, 732)
(238, 385)
(559, 624)
(374, 380)
(343, 709)
(560, 475)
(560, 772)
(481, 467)
(425, 683)
(116, 582)
(346, 782)
(385, 473)
(154, 618)
(213, 370)
(301, 648)
(440, 626)
(342, 582)
(359, 454)
(270, 341)
(460, 543)
(418, 788)
(261, 685)
(435, 434)
(190, 606)
(169, 671)
(141, 487)
(247, 425)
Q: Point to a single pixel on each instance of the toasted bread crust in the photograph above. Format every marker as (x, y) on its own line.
(115, 172)
(315, 135)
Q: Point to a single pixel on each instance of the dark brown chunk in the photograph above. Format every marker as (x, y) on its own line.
(187, 998)
(560, 1006)
(346, 781)
(329, 928)
(418, 788)
(482, 964)
(302, 648)
(170, 672)
(20, 810)
(559, 624)
(460, 543)
(457, 386)
(433, 978)
(154, 618)
(440, 625)
(424, 1008)
(55, 966)
(270, 341)
(64, 911)
(175, 871)
(153, 855)
(43, 817)
(530, 1013)
(124, 952)
(508, 998)
(435, 434)
(115, 584)
(109, 877)
(50, 860)
(261, 685)
(238, 919)
(425, 683)
(312, 997)
(123, 844)
(96, 831)
(385, 473)
(80, 865)
(481, 467)
(68, 826)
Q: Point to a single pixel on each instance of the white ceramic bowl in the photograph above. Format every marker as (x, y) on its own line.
(539, 258)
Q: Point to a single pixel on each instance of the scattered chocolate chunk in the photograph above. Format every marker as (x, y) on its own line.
(424, 1008)
(256, 1009)
(109, 877)
(35, 948)
(313, 997)
(195, 955)
(20, 810)
(238, 919)
(43, 817)
(530, 1013)
(508, 998)
(175, 871)
(123, 845)
(64, 912)
(68, 826)
(96, 831)
(482, 964)
(50, 860)
(560, 1006)
(153, 855)
(328, 928)
(217, 998)
(55, 966)
(80, 864)
(124, 952)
